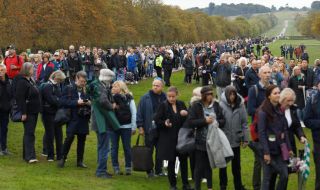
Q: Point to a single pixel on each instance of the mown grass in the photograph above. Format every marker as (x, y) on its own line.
(16, 174)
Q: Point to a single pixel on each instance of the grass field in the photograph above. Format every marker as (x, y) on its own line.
(16, 174)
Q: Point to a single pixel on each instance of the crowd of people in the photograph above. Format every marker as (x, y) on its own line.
(90, 87)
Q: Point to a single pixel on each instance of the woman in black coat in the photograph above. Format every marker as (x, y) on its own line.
(28, 101)
(188, 66)
(51, 95)
(76, 98)
(239, 74)
(296, 83)
(202, 115)
(169, 118)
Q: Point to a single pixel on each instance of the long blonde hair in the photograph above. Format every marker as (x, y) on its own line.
(123, 87)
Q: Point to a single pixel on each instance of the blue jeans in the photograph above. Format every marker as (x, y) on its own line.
(121, 74)
(4, 120)
(150, 70)
(103, 150)
(125, 135)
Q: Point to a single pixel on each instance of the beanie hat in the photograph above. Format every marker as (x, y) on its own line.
(106, 75)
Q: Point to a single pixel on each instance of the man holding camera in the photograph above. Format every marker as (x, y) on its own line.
(76, 99)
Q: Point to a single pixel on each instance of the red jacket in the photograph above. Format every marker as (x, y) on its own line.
(8, 61)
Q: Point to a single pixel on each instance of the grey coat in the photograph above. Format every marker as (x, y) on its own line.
(235, 128)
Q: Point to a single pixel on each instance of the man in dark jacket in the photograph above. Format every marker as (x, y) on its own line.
(74, 62)
(6, 95)
(223, 74)
(147, 107)
(256, 96)
(167, 68)
(309, 76)
(312, 121)
(251, 76)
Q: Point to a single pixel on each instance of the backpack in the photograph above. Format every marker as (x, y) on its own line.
(123, 112)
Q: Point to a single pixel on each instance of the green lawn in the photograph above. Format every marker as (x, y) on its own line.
(16, 174)
(282, 17)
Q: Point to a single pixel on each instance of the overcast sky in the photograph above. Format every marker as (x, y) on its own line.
(185, 4)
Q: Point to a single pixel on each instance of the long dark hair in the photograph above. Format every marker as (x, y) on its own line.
(266, 105)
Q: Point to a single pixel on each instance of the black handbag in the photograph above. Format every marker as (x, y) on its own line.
(15, 113)
(186, 141)
(62, 116)
(141, 157)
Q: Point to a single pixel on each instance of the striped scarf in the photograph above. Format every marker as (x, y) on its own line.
(306, 158)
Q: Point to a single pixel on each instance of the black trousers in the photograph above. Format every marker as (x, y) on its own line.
(202, 169)
(80, 146)
(236, 172)
(29, 137)
(52, 132)
(184, 171)
(167, 76)
(188, 78)
(152, 144)
(159, 71)
(256, 176)
(4, 121)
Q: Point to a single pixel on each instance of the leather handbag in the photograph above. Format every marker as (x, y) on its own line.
(186, 140)
(62, 116)
(141, 157)
(15, 113)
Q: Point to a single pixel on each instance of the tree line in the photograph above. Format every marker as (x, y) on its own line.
(53, 24)
(309, 25)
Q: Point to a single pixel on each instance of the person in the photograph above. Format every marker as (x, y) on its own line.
(201, 116)
(74, 62)
(88, 63)
(13, 62)
(206, 72)
(297, 84)
(256, 96)
(51, 95)
(239, 75)
(158, 64)
(169, 118)
(125, 111)
(223, 76)
(188, 66)
(312, 121)
(100, 89)
(252, 75)
(236, 130)
(167, 68)
(150, 58)
(147, 107)
(309, 76)
(121, 67)
(132, 66)
(285, 75)
(273, 137)
(28, 100)
(77, 100)
(44, 69)
(6, 96)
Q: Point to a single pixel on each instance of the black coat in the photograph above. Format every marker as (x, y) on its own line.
(27, 95)
(168, 137)
(74, 63)
(51, 98)
(251, 78)
(78, 124)
(294, 82)
(122, 62)
(240, 83)
(188, 66)
(197, 120)
(5, 94)
(309, 78)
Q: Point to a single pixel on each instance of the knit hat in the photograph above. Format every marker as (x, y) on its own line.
(106, 75)
(206, 89)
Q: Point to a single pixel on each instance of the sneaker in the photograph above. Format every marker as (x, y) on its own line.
(44, 154)
(6, 152)
(32, 161)
(132, 83)
(105, 176)
(61, 163)
(136, 82)
(118, 172)
(161, 174)
(302, 124)
(204, 180)
(50, 160)
(128, 171)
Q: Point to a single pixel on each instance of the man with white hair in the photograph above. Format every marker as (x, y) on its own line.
(223, 76)
(147, 107)
(256, 95)
(102, 122)
(74, 62)
(6, 95)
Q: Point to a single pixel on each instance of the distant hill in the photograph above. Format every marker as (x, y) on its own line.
(246, 10)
